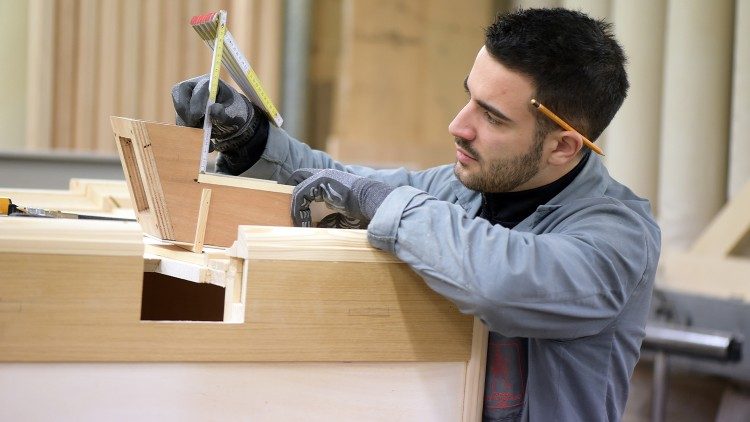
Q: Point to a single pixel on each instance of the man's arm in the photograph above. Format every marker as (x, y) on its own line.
(569, 283)
(283, 155)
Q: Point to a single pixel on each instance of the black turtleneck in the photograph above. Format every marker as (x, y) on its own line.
(510, 208)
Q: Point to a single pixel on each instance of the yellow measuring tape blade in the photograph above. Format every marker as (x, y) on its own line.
(236, 64)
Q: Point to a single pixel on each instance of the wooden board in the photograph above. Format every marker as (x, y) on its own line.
(257, 392)
(160, 163)
(87, 196)
(71, 291)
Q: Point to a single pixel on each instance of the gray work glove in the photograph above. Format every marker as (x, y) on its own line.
(356, 197)
(235, 121)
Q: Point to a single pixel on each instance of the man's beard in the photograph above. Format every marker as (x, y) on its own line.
(502, 175)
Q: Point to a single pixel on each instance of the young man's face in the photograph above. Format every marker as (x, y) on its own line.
(497, 149)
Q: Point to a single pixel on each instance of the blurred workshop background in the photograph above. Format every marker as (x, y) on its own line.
(376, 82)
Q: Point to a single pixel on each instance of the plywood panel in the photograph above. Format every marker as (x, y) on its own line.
(66, 50)
(87, 75)
(161, 165)
(108, 75)
(402, 67)
(241, 391)
(77, 298)
(41, 70)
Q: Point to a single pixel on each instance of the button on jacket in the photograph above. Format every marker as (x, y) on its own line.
(575, 277)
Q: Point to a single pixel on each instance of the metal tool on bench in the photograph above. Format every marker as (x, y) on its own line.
(7, 207)
(667, 339)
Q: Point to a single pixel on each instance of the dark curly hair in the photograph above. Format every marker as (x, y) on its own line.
(577, 66)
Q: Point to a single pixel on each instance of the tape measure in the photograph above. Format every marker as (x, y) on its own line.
(212, 28)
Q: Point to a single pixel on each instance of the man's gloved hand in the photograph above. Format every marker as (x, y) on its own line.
(354, 196)
(233, 116)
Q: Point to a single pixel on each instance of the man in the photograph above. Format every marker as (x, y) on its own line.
(526, 230)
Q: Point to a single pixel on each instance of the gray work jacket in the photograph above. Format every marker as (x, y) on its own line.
(575, 277)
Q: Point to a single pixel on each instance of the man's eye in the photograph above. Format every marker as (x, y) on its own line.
(492, 120)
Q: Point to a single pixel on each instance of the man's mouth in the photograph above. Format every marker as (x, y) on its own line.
(463, 157)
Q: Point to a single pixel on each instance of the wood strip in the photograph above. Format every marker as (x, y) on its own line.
(60, 236)
(244, 182)
(87, 76)
(200, 228)
(66, 51)
(150, 46)
(197, 57)
(306, 244)
(130, 73)
(475, 373)
(235, 291)
(268, 55)
(41, 74)
(109, 74)
(174, 21)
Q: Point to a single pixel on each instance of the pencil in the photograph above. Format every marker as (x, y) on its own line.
(547, 112)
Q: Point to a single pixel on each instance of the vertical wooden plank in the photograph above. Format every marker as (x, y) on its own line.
(197, 55)
(86, 75)
(41, 70)
(324, 60)
(242, 19)
(475, 373)
(269, 33)
(109, 71)
(66, 48)
(174, 24)
(150, 50)
(130, 65)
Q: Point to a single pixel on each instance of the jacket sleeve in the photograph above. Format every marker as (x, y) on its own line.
(284, 154)
(568, 283)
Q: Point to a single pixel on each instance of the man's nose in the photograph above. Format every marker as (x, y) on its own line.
(461, 126)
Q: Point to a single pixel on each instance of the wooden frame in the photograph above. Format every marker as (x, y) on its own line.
(160, 163)
(312, 310)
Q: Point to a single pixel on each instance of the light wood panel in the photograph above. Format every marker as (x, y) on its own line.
(72, 292)
(306, 244)
(259, 392)
(400, 82)
(93, 59)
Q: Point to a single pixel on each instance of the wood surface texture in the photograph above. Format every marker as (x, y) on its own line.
(86, 196)
(72, 292)
(160, 163)
(399, 79)
(307, 244)
(90, 59)
(257, 392)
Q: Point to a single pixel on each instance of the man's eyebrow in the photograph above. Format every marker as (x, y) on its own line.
(497, 113)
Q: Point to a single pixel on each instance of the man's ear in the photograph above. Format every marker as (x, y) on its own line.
(567, 147)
